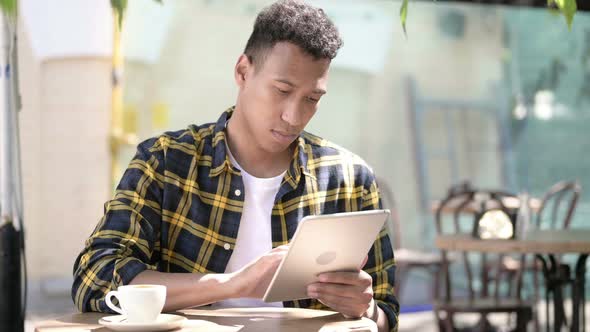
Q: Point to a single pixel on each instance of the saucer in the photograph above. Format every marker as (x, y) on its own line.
(164, 322)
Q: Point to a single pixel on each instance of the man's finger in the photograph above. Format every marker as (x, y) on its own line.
(360, 278)
(346, 292)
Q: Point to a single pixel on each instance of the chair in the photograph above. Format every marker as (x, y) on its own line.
(555, 212)
(564, 194)
(459, 212)
(407, 259)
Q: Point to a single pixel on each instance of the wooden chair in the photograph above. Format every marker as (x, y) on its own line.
(558, 205)
(482, 293)
(556, 211)
(408, 259)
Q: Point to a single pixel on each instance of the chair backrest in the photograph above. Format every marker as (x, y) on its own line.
(458, 213)
(558, 205)
(388, 202)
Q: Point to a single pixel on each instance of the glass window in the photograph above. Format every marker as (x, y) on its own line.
(495, 95)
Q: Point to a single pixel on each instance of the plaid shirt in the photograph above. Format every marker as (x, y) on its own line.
(178, 208)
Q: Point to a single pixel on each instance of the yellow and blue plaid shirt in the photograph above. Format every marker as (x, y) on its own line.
(179, 204)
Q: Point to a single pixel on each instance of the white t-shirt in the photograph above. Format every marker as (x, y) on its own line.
(254, 234)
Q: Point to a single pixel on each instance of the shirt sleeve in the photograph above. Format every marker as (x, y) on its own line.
(125, 241)
(381, 264)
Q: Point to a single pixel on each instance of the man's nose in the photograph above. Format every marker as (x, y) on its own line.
(292, 114)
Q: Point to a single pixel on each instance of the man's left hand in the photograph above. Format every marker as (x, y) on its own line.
(349, 293)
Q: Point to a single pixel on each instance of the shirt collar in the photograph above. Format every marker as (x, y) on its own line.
(222, 163)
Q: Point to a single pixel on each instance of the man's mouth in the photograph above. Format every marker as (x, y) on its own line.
(284, 136)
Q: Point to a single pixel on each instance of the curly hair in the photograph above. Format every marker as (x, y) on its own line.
(295, 22)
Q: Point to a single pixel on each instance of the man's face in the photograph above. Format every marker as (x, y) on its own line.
(278, 99)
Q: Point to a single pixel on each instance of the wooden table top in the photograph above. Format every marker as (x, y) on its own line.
(229, 319)
(537, 241)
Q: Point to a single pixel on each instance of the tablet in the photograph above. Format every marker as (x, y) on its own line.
(324, 243)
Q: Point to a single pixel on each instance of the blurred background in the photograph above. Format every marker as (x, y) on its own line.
(495, 95)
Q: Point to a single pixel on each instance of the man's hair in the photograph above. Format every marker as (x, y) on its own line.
(295, 22)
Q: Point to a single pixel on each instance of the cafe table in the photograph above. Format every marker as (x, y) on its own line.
(229, 320)
(545, 245)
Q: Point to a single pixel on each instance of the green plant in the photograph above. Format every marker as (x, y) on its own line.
(567, 7)
(119, 7)
(403, 15)
(9, 7)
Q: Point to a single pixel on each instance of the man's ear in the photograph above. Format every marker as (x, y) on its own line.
(241, 71)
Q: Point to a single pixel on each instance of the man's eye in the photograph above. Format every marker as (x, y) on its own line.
(312, 100)
(281, 91)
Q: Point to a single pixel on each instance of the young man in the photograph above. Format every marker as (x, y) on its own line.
(208, 211)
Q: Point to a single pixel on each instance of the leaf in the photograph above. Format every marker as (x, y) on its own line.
(403, 15)
(9, 7)
(119, 7)
(568, 8)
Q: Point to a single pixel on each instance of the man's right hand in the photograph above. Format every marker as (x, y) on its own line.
(252, 280)
(195, 289)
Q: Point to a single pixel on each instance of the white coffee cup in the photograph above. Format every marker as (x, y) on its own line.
(140, 303)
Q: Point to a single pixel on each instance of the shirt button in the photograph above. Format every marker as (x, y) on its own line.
(238, 192)
(226, 246)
